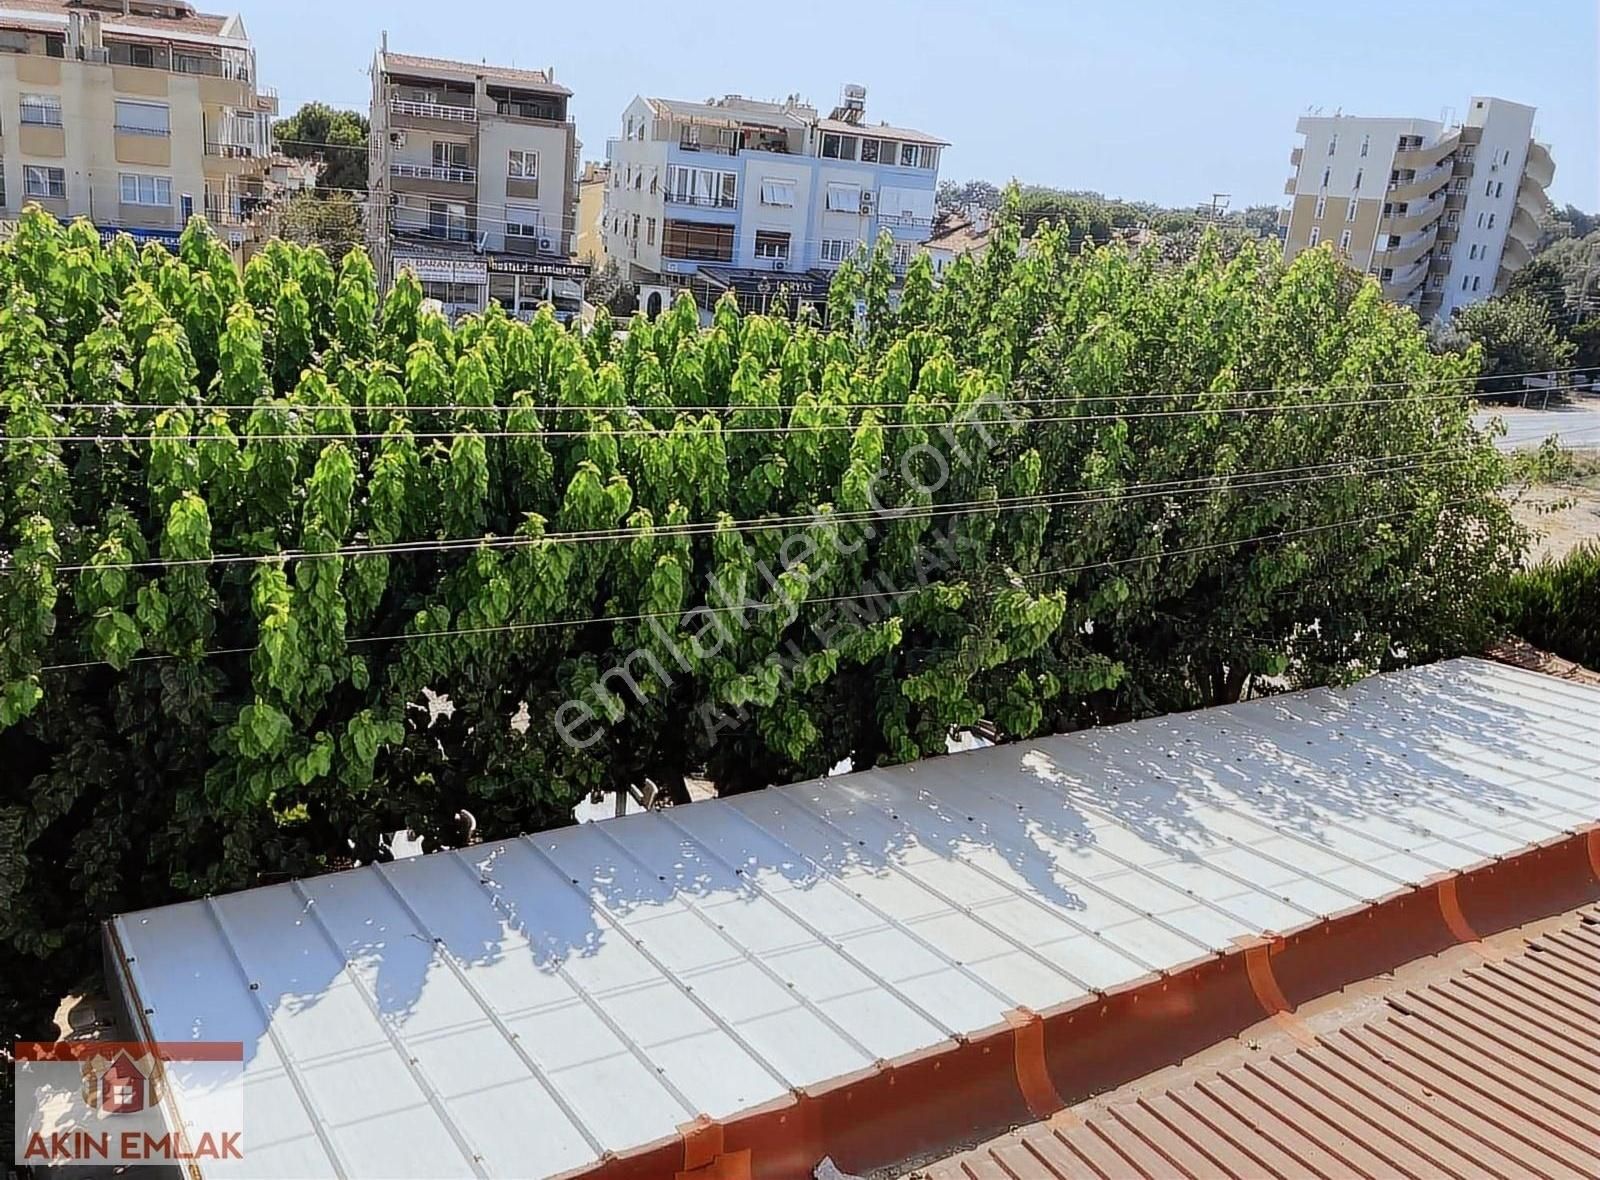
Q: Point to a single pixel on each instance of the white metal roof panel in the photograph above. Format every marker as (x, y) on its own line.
(522, 1007)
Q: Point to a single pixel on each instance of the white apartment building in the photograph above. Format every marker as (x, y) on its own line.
(1443, 214)
(134, 114)
(474, 183)
(753, 197)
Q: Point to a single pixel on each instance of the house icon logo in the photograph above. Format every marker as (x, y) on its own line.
(121, 1084)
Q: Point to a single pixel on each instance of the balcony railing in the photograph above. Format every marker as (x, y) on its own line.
(448, 175)
(529, 110)
(716, 149)
(703, 202)
(231, 151)
(433, 110)
(158, 132)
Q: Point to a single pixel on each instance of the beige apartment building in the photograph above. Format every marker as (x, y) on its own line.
(474, 183)
(133, 114)
(1443, 214)
(592, 186)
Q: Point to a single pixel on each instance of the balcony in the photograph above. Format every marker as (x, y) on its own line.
(1296, 156)
(533, 112)
(1404, 254)
(1415, 219)
(702, 202)
(1288, 186)
(1404, 283)
(442, 111)
(1531, 198)
(436, 173)
(710, 149)
(1426, 157)
(1541, 169)
(1422, 185)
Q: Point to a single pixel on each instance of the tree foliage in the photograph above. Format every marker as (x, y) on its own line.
(338, 138)
(257, 527)
(1517, 335)
(1556, 605)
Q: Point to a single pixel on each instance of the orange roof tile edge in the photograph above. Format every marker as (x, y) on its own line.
(1487, 1068)
(970, 1090)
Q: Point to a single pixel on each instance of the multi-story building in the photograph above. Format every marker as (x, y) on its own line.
(474, 183)
(592, 185)
(1443, 214)
(134, 114)
(719, 195)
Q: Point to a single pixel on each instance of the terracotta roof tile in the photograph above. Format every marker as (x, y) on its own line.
(207, 24)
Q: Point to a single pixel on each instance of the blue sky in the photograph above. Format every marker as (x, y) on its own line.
(1162, 100)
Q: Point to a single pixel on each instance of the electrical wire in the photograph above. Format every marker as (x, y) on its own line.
(786, 431)
(1087, 497)
(551, 624)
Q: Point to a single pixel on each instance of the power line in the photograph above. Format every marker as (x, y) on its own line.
(940, 403)
(784, 431)
(550, 624)
(1087, 497)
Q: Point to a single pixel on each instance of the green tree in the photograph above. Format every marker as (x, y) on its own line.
(338, 138)
(287, 568)
(332, 222)
(1517, 335)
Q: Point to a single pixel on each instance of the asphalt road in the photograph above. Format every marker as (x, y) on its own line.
(1576, 425)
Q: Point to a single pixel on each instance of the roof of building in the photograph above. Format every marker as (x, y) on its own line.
(958, 234)
(883, 130)
(1488, 1066)
(735, 111)
(662, 985)
(19, 12)
(536, 79)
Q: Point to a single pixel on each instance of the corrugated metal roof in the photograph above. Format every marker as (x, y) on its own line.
(525, 1006)
(1494, 1070)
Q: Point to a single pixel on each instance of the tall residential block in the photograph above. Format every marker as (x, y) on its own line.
(1443, 214)
(724, 195)
(134, 114)
(474, 183)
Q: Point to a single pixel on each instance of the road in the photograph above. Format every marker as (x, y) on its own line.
(1576, 425)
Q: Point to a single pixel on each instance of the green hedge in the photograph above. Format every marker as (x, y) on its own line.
(1556, 606)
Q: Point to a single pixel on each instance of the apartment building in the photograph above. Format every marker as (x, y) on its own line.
(1442, 213)
(134, 114)
(592, 185)
(474, 183)
(724, 195)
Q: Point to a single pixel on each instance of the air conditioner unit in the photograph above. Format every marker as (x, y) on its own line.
(869, 201)
(780, 264)
(547, 244)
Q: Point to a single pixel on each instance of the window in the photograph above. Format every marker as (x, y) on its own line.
(1472, 254)
(696, 242)
(39, 181)
(1491, 221)
(1344, 242)
(870, 149)
(146, 190)
(1481, 218)
(838, 147)
(777, 191)
(523, 221)
(1322, 206)
(523, 165)
(1505, 156)
(449, 155)
(1488, 189)
(1333, 143)
(837, 249)
(448, 219)
(1499, 187)
(649, 231)
(143, 118)
(772, 245)
(634, 231)
(702, 186)
(1366, 142)
(1475, 280)
(1351, 210)
(844, 198)
(1360, 172)
(908, 155)
(902, 256)
(1327, 175)
(41, 110)
(1316, 234)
